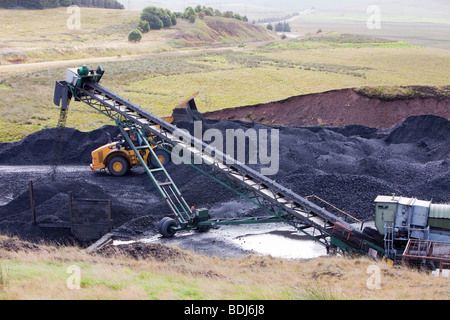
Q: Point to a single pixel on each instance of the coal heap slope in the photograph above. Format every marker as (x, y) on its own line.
(55, 146)
(347, 166)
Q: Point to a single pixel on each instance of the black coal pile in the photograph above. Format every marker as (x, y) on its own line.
(347, 166)
(55, 146)
(51, 206)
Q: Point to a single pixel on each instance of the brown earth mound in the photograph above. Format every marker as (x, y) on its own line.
(373, 107)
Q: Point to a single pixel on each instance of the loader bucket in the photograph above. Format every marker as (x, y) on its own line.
(186, 110)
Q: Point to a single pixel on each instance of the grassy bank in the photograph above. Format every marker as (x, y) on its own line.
(43, 272)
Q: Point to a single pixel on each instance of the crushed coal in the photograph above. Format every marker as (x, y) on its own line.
(55, 146)
(347, 166)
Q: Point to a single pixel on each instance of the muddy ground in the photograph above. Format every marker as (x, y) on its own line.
(347, 166)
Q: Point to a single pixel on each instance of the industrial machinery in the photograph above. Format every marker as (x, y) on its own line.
(399, 219)
(118, 157)
(334, 231)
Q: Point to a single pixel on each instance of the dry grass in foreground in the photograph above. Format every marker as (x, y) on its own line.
(30, 271)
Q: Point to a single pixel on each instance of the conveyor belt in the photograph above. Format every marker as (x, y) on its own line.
(280, 201)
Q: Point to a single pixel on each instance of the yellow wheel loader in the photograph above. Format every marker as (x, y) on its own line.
(118, 157)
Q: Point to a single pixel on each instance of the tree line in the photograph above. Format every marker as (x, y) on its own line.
(153, 18)
(275, 19)
(280, 27)
(201, 11)
(44, 4)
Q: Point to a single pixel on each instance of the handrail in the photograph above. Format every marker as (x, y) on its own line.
(336, 208)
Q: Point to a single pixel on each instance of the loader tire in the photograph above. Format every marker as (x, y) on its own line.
(118, 166)
(163, 157)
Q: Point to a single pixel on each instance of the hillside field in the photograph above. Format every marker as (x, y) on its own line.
(49, 34)
(226, 77)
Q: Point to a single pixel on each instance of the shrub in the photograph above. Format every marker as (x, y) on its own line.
(166, 20)
(228, 14)
(282, 27)
(158, 18)
(173, 17)
(237, 16)
(143, 26)
(189, 14)
(191, 19)
(134, 36)
(155, 23)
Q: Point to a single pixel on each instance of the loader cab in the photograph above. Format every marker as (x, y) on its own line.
(134, 137)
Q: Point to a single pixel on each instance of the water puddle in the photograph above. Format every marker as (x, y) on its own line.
(275, 240)
(281, 246)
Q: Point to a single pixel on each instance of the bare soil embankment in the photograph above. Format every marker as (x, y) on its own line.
(373, 107)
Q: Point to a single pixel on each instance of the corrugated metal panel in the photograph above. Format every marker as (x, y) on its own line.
(440, 211)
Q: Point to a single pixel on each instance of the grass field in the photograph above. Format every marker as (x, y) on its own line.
(44, 35)
(230, 79)
(227, 78)
(44, 273)
(49, 35)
